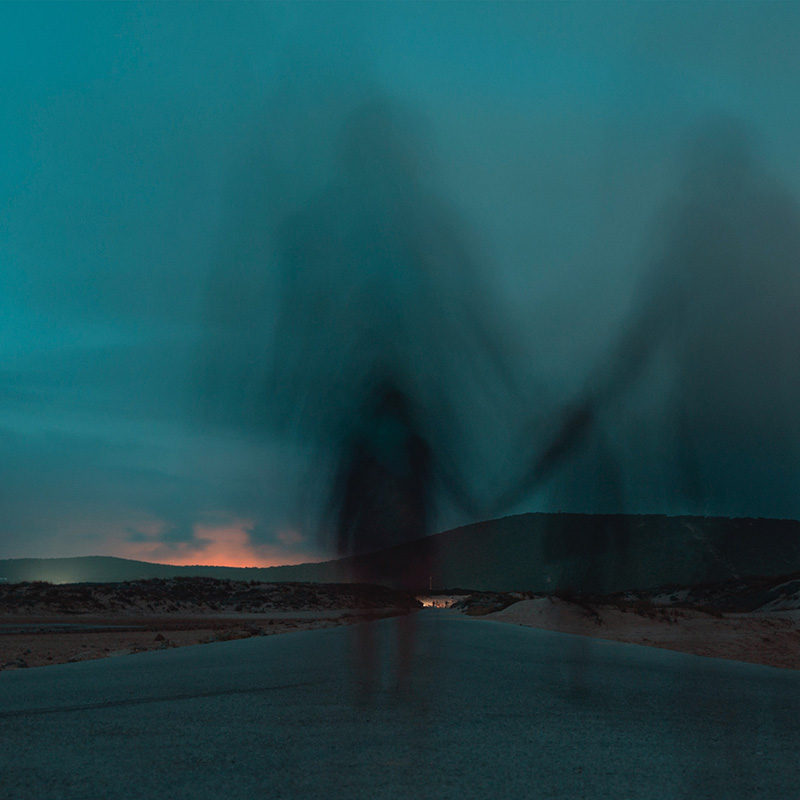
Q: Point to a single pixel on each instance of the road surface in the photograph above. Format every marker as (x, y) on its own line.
(487, 710)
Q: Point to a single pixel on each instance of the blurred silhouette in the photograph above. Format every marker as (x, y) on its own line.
(723, 313)
(384, 487)
(734, 262)
(382, 498)
(384, 324)
(389, 362)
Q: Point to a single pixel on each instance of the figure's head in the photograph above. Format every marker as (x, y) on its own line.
(390, 401)
(380, 141)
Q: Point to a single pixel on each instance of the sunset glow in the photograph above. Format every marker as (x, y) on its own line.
(227, 545)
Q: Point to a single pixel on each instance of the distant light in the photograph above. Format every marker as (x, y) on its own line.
(440, 601)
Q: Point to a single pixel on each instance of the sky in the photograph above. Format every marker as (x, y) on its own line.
(604, 196)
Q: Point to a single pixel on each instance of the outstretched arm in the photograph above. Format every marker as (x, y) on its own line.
(576, 421)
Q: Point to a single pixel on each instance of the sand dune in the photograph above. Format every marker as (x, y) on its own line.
(754, 620)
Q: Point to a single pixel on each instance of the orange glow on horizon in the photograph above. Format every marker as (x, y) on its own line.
(224, 545)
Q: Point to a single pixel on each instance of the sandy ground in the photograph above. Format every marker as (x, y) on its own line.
(42, 624)
(772, 639)
(56, 639)
(769, 638)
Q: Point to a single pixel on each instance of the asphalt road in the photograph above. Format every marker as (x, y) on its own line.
(483, 710)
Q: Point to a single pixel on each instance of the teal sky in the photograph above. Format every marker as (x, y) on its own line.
(150, 152)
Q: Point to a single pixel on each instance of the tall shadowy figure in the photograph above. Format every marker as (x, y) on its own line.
(722, 316)
(733, 258)
(388, 359)
(384, 487)
(384, 499)
(723, 312)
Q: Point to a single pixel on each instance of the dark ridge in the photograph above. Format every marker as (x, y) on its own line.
(528, 552)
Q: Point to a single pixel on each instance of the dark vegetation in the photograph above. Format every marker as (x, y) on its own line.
(668, 603)
(734, 596)
(188, 595)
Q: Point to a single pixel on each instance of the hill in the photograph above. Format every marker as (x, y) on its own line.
(533, 552)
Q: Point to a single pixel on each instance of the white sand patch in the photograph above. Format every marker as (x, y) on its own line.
(772, 639)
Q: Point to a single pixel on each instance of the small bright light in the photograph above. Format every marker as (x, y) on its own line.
(439, 601)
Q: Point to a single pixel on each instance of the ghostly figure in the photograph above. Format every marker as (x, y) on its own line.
(386, 355)
(723, 312)
(383, 494)
(384, 487)
(734, 259)
(387, 352)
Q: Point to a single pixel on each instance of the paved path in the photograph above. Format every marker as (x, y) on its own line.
(488, 711)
